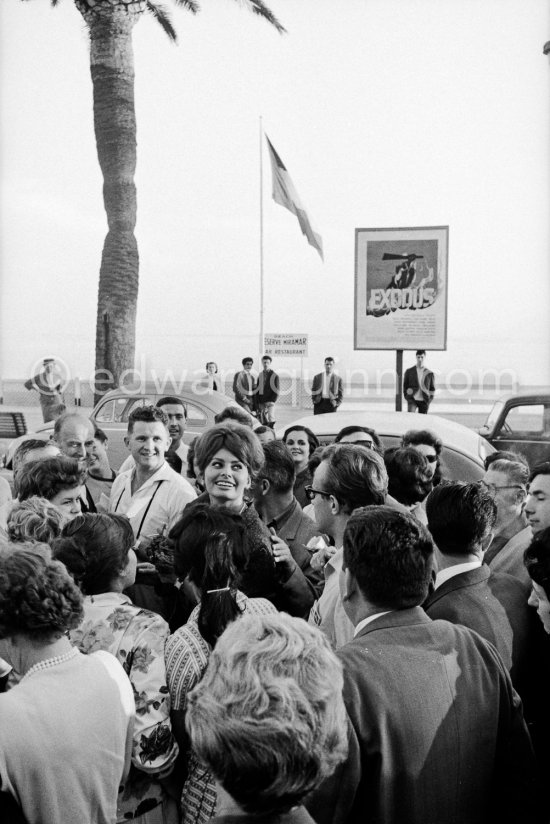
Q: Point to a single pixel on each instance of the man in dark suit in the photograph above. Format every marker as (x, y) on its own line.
(461, 518)
(419, 385)
(327, 389)
(245, 386)
(436, 730)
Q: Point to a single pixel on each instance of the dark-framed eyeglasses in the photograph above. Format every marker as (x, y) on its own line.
(492, 489)
(311, 493)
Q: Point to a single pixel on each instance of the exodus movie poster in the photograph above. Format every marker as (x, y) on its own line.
(401, 288)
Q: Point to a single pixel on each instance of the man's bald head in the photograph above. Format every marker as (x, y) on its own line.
(74, 435)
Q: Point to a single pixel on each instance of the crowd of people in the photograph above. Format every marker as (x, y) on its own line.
(244, 628)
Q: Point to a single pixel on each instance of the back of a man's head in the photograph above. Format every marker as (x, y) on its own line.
(389, 553)
(278, 468)
(356, 477)
(460, 517)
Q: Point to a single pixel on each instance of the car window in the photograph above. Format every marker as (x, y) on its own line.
(111, 411)
(524, 421)
(195, 415)
(135, 404)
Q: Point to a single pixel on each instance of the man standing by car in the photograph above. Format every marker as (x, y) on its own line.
(327, 389)
(244, 386)
(419, 385)
(268, 392)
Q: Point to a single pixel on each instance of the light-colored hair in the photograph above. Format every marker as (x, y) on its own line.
(268, 716)
(35, 519)
(356, 477)
(38, 597)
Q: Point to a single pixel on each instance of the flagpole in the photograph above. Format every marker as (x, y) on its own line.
(261, 242)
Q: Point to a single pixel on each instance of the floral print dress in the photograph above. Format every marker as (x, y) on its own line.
(187, 655)
(136, 637)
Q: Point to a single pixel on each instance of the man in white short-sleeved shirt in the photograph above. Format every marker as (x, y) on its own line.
(150, 494)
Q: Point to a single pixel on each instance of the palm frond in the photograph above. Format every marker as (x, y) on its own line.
(190, 5)
(163, 18)
(259, 7)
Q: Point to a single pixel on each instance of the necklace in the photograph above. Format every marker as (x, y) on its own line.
(47, 663)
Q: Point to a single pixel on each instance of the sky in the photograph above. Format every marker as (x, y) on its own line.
(386, 113)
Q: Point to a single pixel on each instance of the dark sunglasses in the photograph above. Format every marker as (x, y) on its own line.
(311, 493)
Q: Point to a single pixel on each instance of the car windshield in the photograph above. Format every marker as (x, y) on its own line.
(494, 414)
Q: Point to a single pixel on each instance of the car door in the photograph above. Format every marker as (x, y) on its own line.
(525, 427)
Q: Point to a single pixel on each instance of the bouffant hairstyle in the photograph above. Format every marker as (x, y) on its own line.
(94, 548)
(537, 560)
(34, 519)
(147, 414)
(25, 447)
(38, 597)
(312, 438)
(414, 437)
(211, 550)
(268, 716)
(47, 478)
(237, 439)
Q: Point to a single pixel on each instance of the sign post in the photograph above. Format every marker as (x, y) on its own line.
(401, 286)
(282, 345)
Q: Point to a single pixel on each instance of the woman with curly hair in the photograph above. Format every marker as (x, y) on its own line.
(35, 519)
(66, 726)
(211, 555)
(268, 718)
(98, 551)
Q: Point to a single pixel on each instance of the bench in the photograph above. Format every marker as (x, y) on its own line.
(12, 425)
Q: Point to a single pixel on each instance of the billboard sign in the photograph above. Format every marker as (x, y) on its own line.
(401, 288)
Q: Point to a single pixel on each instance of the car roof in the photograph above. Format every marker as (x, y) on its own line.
(216, 401)
(542, 396)
(454, 435)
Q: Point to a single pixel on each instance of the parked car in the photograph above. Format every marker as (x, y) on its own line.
(112, 411)
(463, 454)
(521, 423)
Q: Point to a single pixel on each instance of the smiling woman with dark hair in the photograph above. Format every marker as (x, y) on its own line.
(66, 731)
(301, 442)
(98, 551)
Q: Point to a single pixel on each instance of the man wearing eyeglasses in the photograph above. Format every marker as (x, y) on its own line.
(506, 481)
(347, 477)
(461, 519)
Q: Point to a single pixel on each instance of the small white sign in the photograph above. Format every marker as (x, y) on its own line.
(285, 346)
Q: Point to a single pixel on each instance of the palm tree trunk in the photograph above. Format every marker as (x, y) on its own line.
(112, 69)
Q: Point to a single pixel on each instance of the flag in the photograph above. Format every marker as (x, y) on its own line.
(286, 195)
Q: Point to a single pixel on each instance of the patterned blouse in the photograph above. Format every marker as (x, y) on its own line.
(136, 637)
(187, 655)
